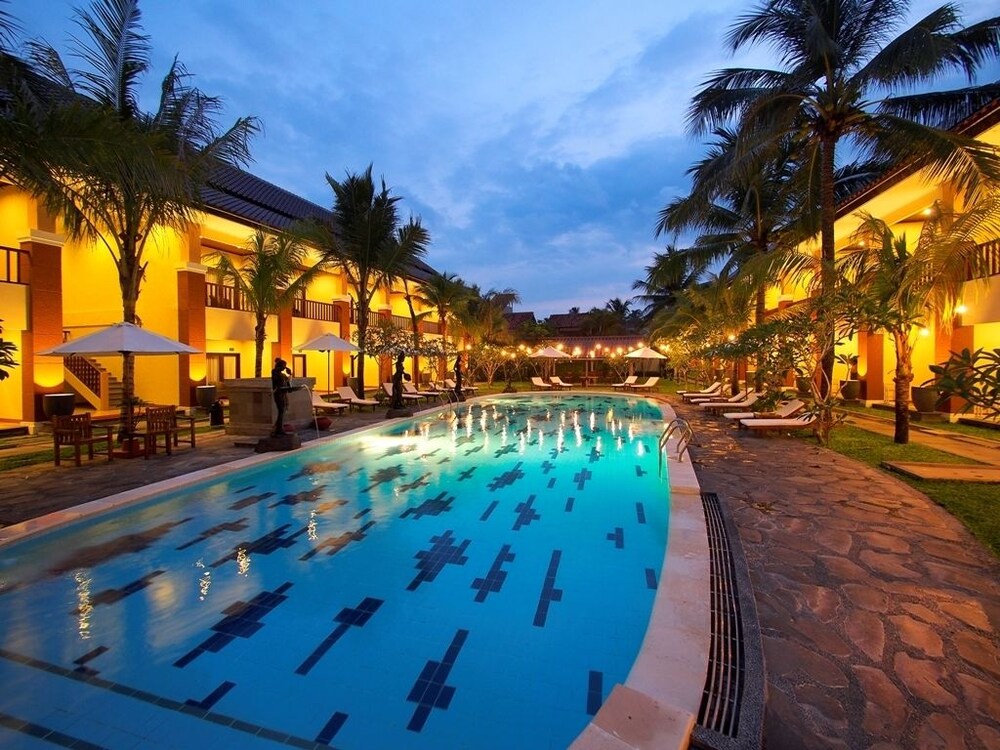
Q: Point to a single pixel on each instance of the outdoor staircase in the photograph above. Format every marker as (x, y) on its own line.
(93, 383)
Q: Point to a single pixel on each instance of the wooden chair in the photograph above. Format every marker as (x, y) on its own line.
(77, 430)
(184, 424)
(160, 421)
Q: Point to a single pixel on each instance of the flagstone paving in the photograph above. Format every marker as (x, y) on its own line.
(879, 612)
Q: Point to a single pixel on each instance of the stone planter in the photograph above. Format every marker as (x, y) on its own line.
(58, 404)
(925, 399)
(850, 390)
(803, 386)
(204, 395)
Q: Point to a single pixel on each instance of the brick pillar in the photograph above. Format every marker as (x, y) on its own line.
(43, 275)
(191, 330)
(344, 311)
(962, 337)
(871, 361)
(283, 346)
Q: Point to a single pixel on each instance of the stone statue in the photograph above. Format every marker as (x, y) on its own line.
(281, 386)
(397, 384)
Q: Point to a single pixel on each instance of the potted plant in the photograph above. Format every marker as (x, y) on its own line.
(850, 389)
(926, 396)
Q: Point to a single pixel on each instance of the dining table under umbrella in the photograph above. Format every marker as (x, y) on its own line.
(128, 340)
(327, 342)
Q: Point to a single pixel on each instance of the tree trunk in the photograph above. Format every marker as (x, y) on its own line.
(828, 215)
(259, 334)
(416, 334)
(362, 336)
(129, 278)
(901, 381)
(759, 313)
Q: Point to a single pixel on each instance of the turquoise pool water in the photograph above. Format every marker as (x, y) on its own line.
(480, 578)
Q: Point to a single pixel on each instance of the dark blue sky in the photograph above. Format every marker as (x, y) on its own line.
(536, 140)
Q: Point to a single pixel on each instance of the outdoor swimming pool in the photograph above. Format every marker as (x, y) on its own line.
(476, 578)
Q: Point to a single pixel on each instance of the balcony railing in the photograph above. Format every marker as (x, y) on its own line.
(989, 258)
(224, 297)
(430, 326)
(402, 321)
(313, 310)
(11, 260)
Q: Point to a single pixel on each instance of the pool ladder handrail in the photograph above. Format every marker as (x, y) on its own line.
(684, 434)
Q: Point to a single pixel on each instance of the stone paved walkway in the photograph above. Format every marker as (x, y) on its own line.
(880, 613)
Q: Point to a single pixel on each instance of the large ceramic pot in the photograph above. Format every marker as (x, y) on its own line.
(58, 404)
(850, 390)
(925, 399)
(803, 386)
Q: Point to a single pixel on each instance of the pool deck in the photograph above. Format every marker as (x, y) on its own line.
(880, 613)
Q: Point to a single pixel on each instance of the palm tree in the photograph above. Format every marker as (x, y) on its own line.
(444, 292)
(482, 315)
(112, 172)
(903, 287)
(269, 278)
(747, 209)
(365, 241)
(412, 239)
(840, 65)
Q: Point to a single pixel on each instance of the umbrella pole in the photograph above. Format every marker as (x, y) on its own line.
(329, 385)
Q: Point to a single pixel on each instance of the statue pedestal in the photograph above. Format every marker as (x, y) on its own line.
(398, 413)
(287, 442)
(252, 410)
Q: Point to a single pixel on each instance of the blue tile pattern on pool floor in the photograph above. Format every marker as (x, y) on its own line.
(384, 591)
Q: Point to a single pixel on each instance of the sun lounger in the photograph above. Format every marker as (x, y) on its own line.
(465, 387)
(411, 397)
(347, 394)
(328, 407)
(783, 411)
(716, 407)
(539, 383)
(779, 425)
(650, 382)
(714, 390)
(412, 389)
(628, 382)
(558, 382)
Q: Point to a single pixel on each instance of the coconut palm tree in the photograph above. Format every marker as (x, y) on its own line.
(271, 275)
(412, 239)
(110, 171)
(444, 292)
(364, 240)
(902, 287)
(481, 317)
(840, 70)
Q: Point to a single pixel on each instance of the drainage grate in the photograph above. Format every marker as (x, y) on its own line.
(731, 713)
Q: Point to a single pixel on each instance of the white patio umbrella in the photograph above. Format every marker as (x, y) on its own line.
(644, 353)
(327, 342)
(550, 352)
(128, 340)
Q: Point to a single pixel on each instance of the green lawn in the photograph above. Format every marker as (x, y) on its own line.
(974, 503)
(972, 430)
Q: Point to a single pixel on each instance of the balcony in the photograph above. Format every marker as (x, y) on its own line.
(12, 261)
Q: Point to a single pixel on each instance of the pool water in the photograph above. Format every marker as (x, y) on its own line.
(478, 578)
